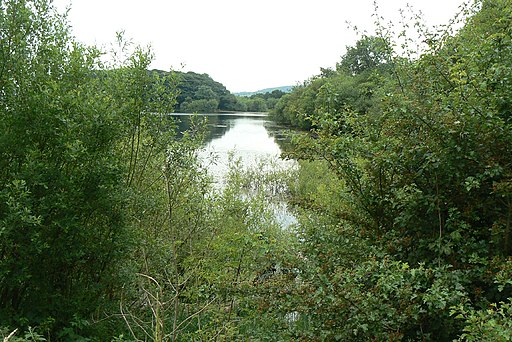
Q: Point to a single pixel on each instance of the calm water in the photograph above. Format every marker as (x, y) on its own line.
(250, 138)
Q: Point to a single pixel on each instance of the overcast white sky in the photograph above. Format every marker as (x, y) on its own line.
(245, 44)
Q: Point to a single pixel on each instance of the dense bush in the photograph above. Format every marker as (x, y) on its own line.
(421, 148)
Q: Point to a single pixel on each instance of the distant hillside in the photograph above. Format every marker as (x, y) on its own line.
(285, 89)
(200, 93)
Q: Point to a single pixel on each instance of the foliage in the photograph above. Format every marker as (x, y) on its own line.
(109, 223)
(298, 107)
(199, 106)
(200, 93)
(62, 194)
(202, 251)
(369, 54)
(71, 146)
(354, 85)
(492, 324)
(260, 102)
(29, 336)
(420, 146)
(111, 226)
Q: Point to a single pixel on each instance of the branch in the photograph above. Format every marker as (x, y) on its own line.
(192, 316)
(6, 339)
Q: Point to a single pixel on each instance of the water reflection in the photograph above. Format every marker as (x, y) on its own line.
(252, 139)
(257, 124)
(249, 137)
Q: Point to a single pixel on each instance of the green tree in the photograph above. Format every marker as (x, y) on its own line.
(299, 107)
(61, 210)
(71, 152)
(199, 106)
(204, 93)
(420, 149)
(193, 86)
(256, 105)
(369, 53)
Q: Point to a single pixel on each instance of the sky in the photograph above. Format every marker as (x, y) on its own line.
(246, 45)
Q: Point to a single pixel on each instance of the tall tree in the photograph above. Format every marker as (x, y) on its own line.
(70, 153)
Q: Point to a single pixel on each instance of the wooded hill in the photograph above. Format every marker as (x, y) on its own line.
(199, 93)
(284, 89)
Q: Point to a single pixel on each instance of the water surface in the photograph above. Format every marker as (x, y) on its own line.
(248, 137)
(254, 142)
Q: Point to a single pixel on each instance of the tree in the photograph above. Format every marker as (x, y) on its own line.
(204, 92)
(420, 150)
(71, 153)
(199, 106)
(193, 86)
(298, 108)
(256, 105)
(61, 207)
(369, 53)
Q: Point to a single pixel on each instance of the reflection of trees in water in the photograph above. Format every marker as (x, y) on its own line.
(281, 135)
(214, 128)
(220, 124)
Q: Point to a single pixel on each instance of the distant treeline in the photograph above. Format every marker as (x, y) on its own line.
(200, 93)
(284, 89)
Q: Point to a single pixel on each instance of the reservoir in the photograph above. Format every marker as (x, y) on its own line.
(255, 142)
(250, 138)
